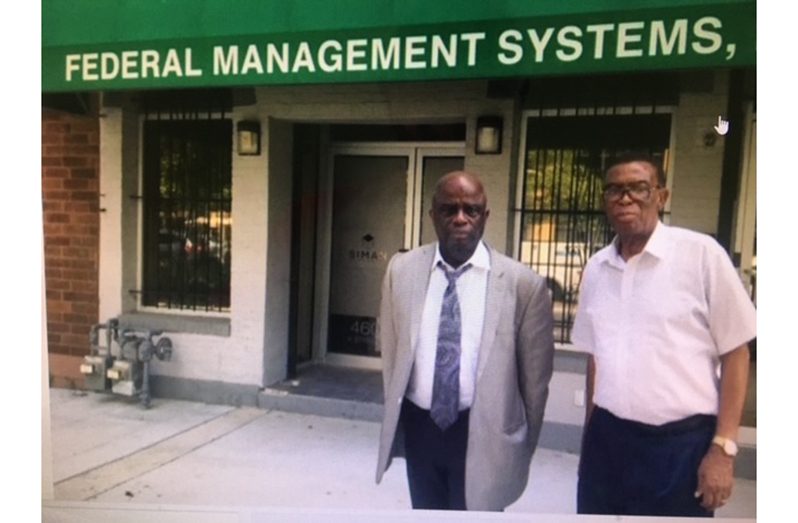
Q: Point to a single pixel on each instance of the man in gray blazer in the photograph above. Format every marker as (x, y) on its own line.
(466, 336)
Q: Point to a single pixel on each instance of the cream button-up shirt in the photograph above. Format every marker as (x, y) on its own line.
(471, 294)
(658, 323)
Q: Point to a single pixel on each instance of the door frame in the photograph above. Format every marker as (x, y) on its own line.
(745, 212)
(415, 152)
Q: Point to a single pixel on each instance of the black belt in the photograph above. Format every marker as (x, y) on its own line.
(413, 408)
(672, 428)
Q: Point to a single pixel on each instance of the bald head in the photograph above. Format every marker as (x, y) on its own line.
(451, 180)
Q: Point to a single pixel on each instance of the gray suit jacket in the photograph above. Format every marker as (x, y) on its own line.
(513, 371)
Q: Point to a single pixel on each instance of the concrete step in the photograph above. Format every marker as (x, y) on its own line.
(277, 399)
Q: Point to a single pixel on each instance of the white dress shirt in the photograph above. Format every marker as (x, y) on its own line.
(471, 293)
(658, 323)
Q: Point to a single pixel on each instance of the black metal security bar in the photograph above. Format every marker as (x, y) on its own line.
(187, 198)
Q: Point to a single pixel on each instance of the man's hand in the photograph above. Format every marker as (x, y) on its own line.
(715, 478)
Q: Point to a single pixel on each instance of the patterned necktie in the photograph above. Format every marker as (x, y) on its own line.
(446, 384)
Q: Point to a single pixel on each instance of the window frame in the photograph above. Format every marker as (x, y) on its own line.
(188, 314)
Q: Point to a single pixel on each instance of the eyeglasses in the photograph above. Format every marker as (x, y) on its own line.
(449, 210)
(639, 191)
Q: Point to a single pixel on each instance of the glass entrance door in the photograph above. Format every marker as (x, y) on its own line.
(380, 199)
(369, 207)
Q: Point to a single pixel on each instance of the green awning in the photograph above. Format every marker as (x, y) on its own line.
(136, 44)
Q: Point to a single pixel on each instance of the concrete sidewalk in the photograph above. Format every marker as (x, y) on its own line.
(106, 449)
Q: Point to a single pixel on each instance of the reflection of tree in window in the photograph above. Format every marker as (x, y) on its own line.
(187, 220)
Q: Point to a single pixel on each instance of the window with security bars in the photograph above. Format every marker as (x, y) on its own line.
(187, 214)
(562, 217)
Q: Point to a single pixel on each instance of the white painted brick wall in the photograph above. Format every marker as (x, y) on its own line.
(560, 407)
(110, 277)
(695, 197)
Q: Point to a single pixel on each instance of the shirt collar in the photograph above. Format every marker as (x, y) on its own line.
(480, 259)
(657, 246)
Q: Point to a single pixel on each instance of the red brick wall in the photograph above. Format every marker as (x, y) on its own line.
(70, 195)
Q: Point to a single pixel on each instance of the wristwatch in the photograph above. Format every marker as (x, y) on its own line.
(728, 445)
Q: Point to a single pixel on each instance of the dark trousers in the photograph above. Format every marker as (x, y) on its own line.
(435, 459)
(631, 468)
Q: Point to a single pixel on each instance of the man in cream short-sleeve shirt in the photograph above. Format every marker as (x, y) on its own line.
(666, 322)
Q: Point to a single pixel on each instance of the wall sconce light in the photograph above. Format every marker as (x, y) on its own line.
(248, 138)
(489, 135)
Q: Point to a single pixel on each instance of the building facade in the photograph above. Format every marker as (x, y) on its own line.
(251, 189)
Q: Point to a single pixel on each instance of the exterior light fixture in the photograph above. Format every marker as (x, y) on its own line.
(248, 138)
(489, 135)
